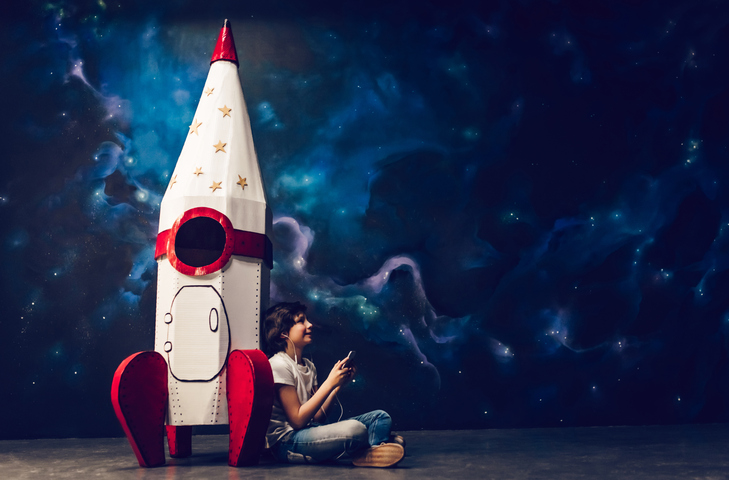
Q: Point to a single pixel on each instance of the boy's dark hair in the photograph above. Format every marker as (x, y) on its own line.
(279, 319)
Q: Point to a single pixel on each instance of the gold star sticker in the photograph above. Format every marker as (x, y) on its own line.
(209, 91)
(220, 146)
(241, 182)
(174, 180)
(216, 186)
(193, 127)
(198, 171)
(225, 110)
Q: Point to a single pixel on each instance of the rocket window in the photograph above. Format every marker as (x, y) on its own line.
(200, 241)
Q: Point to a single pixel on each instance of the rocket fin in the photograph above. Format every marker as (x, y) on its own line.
(139, 395)
(250, 402)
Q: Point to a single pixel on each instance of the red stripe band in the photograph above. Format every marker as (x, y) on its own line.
(248, 244)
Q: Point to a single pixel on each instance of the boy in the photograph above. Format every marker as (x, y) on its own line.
(296, 433)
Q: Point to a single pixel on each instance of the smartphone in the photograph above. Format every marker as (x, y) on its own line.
(349, 358)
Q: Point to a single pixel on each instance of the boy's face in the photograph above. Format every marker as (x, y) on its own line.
(300, 333)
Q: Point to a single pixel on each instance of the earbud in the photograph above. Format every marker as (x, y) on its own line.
(283, 335)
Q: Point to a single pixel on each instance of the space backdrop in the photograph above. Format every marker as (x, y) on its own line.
(515, 211)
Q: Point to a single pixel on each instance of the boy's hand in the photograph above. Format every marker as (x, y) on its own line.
(339, 376)
(352, 371)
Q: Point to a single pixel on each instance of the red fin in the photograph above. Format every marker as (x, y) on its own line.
(139, 395)
(250, 402)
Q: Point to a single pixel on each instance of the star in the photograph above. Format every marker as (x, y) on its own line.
(193, 127)
(220, 146)
(216, 186)
(209, 91)
(174, 180)
(225, 110)
(198, 171)
(241, 182)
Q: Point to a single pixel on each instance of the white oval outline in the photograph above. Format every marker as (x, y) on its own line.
(210, 319)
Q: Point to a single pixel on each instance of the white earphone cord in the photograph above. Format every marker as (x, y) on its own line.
(336, 396)
(296, 360)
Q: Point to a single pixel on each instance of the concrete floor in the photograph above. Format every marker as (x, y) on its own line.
(661, 452)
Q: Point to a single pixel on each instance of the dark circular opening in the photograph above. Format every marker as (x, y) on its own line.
(199, 241)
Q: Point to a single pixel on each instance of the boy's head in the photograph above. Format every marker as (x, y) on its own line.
(279, 319)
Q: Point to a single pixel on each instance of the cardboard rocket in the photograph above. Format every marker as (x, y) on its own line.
(214, 259)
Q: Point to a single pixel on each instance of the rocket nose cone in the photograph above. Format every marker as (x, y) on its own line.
(225, 47)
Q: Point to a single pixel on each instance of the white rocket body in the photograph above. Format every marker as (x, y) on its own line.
(213, 253)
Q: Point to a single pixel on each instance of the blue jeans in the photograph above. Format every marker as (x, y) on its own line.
(335, 441)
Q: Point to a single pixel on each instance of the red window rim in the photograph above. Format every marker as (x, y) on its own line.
(224, 257)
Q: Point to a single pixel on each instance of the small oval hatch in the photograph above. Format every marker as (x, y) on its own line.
(213, 319)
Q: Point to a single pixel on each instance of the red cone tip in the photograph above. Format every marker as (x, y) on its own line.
(225, 48)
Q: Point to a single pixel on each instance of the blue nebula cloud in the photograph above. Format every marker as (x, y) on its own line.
(525, 200)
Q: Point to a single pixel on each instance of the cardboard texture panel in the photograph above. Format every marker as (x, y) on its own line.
(197, 354)
(245, 290)
(198, 334)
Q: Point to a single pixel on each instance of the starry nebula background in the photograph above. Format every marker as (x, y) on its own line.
(516, 212)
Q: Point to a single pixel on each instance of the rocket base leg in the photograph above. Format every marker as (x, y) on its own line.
(139, 395)
(179, 439)
(250, 401)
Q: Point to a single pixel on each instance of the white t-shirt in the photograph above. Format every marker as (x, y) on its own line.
(302, 378)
